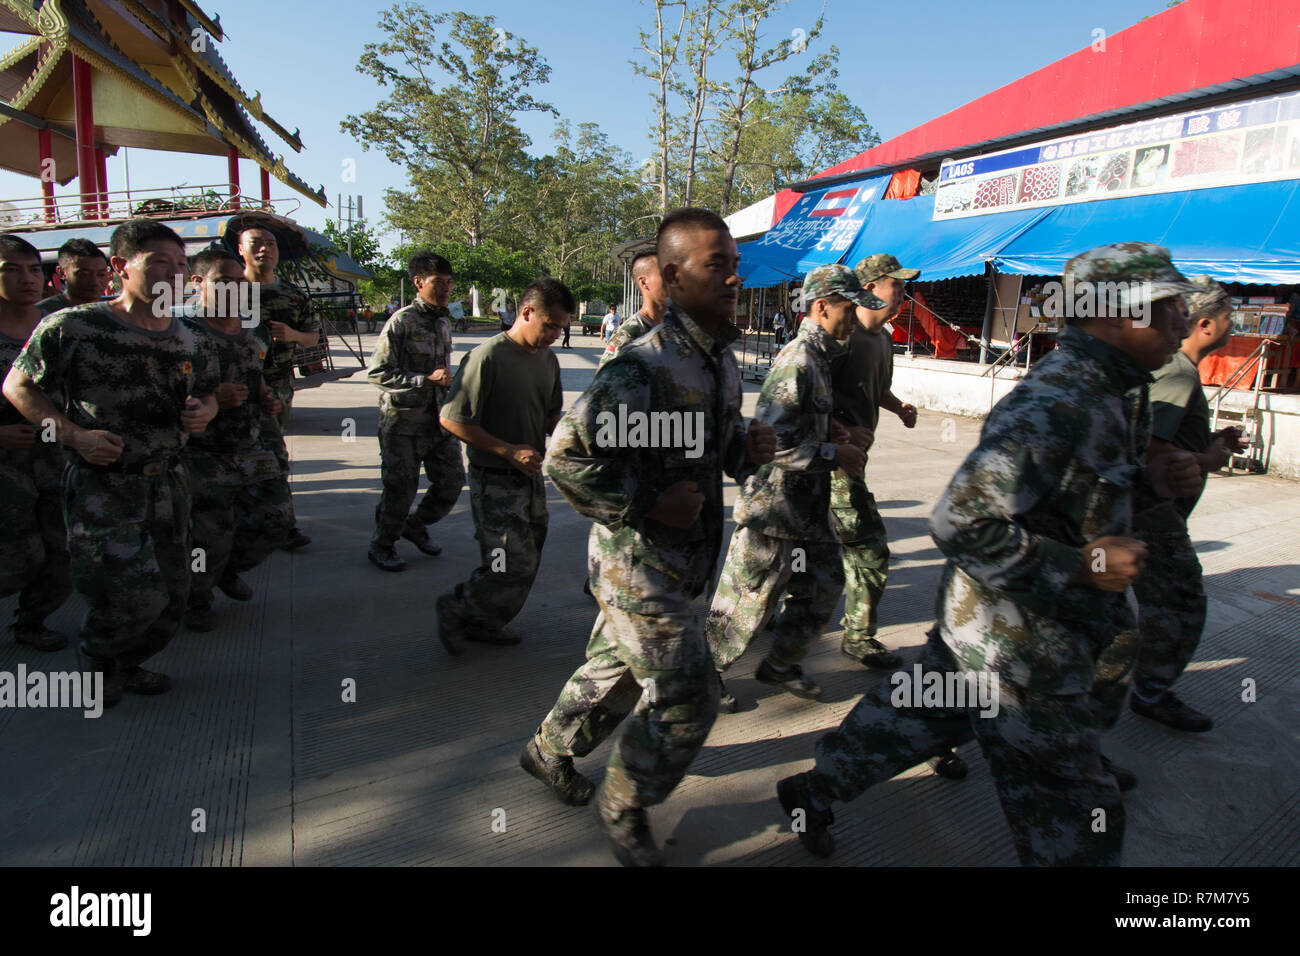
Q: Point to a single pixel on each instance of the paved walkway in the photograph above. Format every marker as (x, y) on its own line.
(416, 771)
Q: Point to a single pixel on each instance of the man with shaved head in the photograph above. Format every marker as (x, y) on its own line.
(657, 508)
(654, 300)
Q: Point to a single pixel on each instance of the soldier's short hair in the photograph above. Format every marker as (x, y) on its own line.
(130, 237)
(548, 294)
(678, 223)
(427, 263)
(75, 249)
(12, 246)
(644, 264)
(208, 258)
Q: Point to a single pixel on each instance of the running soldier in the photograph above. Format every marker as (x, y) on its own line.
(240, 510)
(135, 383)
(83, 270)
(33, 540)
(1036, 526)
(654, 300)
(411, 365)
(288, 317)
(505, 399)
(783, 545)
(654, 546)
(1171, 593)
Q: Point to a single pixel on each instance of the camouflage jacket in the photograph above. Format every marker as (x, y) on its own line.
(281, 302)
(628, 332)
(1057, 466)
(118, 377)
(415, 342)
(238, 429)
(44, 459)
(54, 303)
(790, 498)
(638, 563)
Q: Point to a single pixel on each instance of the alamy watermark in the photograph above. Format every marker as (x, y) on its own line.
(948, 690)
(79, 690)
(1087, 300)
(638, 429)
(229, 298)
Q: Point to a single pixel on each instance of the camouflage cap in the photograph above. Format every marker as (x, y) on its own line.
(880, 265)
(838, 279)
(1143, 271)
(1209, 298)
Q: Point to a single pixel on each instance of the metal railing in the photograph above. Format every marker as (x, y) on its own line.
(167, 202)
(1249, 416)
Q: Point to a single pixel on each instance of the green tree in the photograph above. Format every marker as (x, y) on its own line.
(365, 248)
(489, 266)
(459, 141)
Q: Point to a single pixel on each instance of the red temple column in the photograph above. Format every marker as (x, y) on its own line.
(232, 163)
(84, 110)
(101, 176)
(48, 174)
(266, 188)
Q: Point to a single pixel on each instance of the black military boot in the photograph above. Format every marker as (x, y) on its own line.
(1126, 778)
(726, 699)
(386, 559)
(629, 836)
(791, 681)
(869, 652)
(811, 824)
(418, 535)
(451, 629)
(235, 587)
(558, 773)
(949, 766)
(1172, 712)
(41, 638)
(137, 680)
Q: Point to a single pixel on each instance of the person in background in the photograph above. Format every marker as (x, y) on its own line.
(83, 270)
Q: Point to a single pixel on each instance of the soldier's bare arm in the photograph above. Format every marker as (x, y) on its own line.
(96, 446)
(526, 459)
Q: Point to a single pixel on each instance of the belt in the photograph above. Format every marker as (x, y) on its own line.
(148, 468)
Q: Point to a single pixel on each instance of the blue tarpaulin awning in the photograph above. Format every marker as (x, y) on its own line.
(818, 229)
(941, 250)
(1247, 234)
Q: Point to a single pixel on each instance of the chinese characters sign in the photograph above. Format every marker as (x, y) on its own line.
(1249, 142)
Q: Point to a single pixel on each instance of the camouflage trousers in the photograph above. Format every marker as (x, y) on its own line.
(128, 538)
(1044, 751)
(653, 667)
(861, 531)
(33, 540)
(1171, 595)
(510, 522)
(759, 570)
(240, 514)
(274, 430)
(401, 457)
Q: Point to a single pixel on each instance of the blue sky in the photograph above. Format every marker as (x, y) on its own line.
(902, 70)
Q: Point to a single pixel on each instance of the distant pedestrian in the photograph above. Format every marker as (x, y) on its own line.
(610, 325)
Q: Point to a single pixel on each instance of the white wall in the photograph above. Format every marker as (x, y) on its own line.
(958, 388)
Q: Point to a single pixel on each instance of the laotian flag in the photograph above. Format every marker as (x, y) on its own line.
(835, 203)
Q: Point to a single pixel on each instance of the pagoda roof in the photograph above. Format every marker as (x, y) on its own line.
(157, 83)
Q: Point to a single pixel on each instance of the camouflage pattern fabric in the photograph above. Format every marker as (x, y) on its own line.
(656, 668)
(790, 498)
(783, 545)
(1056, 467)
(1171, 599)
(761, 569)
(510, 523)
(281, 302)
(1043, 749)
(836, 279)
(413, 344)
(128, 532)
(1143, 271)
(401, 456)
(54, 303)
(628, 332)
(33, 540)
(865, 564)
(128, 537)
(644, 574)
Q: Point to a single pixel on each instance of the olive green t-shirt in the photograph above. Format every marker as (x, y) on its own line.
(864, 377)
(507, 391)
(1180, 414)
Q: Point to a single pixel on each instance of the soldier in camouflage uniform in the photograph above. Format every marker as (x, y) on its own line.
(654, 300)
(862, 388)
(83, 269)
(1035, 526)
(33, 540)
(240, 511)
(135, 383)
(1171, 594)
(783, 544)
(411, 365)
(505, 399)
(288, 316)
(658, 513)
